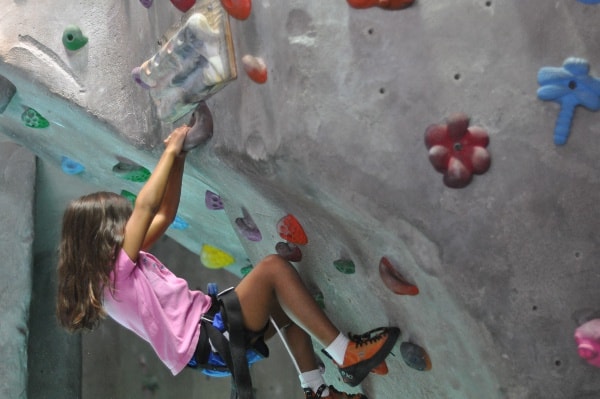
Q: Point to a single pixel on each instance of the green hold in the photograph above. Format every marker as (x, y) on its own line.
(320, 299)
(135, 173)
(73, 39)
(32, 118)
(345, 266)
(130, 196)
(246, 269)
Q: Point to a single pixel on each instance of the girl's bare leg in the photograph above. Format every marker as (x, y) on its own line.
(274, 288)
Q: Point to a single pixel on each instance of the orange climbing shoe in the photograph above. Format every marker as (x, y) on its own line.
(366, 352)
(333, 394)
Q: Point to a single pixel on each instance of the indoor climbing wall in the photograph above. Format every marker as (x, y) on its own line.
(425, 164)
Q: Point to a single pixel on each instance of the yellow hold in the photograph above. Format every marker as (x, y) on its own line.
(214, 258)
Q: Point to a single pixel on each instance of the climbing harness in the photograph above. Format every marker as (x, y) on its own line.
(225, 347)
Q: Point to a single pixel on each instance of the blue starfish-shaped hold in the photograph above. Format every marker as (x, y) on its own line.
(590, 1)
(569, 86)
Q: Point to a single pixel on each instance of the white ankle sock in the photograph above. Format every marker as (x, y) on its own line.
(337, 349)
(313, 379)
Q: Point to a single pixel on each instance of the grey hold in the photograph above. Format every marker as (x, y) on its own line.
(7, 91)
(201, 127)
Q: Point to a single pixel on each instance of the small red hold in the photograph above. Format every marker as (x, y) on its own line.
(291, 230)
(394, 280)
(183, 5)
(386, 4)
(255, 67)
(238, 9)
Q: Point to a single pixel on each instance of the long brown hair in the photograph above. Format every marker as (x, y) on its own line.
(92, 235)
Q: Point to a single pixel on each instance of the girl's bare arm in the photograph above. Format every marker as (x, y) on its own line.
(170, 203)
(150, 197)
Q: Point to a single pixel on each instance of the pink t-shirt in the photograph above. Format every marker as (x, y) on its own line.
(158, 306)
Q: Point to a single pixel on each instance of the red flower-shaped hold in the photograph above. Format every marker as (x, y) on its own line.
(457, 150)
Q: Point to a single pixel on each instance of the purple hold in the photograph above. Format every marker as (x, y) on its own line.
(247, 227)
(289, 251)
(135, 74)
(213, 201)
(146, 3)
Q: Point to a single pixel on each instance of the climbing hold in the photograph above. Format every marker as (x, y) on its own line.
(213, 201)
(288, 251)
(146, 3)
(129, 195)
(415, 356)
(183, 5)
(255, 67)
(215, 258)
(201, 127)
(32, 118)
(71, 167)
(320, 299)
(345, 266)
(590, 1)
(179, 223)
(246, 270)
(569, 86)
(247, 227)
(238, 9)
(457, 150)
(129, 170)
(394, 280)
(136, 75)
(7, 91)
(587, 337)
(73, 39)
(290, 229)
(387, 4)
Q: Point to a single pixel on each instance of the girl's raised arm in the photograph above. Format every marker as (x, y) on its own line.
(150, 197)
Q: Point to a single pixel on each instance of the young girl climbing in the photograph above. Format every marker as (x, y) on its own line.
(104, 269)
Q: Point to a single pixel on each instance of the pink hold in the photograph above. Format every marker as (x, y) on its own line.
(587, 337)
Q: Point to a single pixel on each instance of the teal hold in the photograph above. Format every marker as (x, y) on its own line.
(73, 39)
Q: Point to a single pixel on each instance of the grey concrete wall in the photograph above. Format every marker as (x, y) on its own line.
(17, 187)
(506, 267)
(54, 356)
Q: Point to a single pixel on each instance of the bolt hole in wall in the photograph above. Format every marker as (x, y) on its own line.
(534, 308)
(488, 3)
(370, 31)
(457, 76)
(382, 90)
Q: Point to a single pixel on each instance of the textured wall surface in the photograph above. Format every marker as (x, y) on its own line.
(506, 267)
(17, 185)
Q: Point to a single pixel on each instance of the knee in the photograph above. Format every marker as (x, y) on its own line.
(274, 265)
(274, 261)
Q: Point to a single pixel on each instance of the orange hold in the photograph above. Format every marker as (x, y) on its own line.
(394, 280)
(290, 229)
(255, 67)
(387, 4)
(238, 9)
